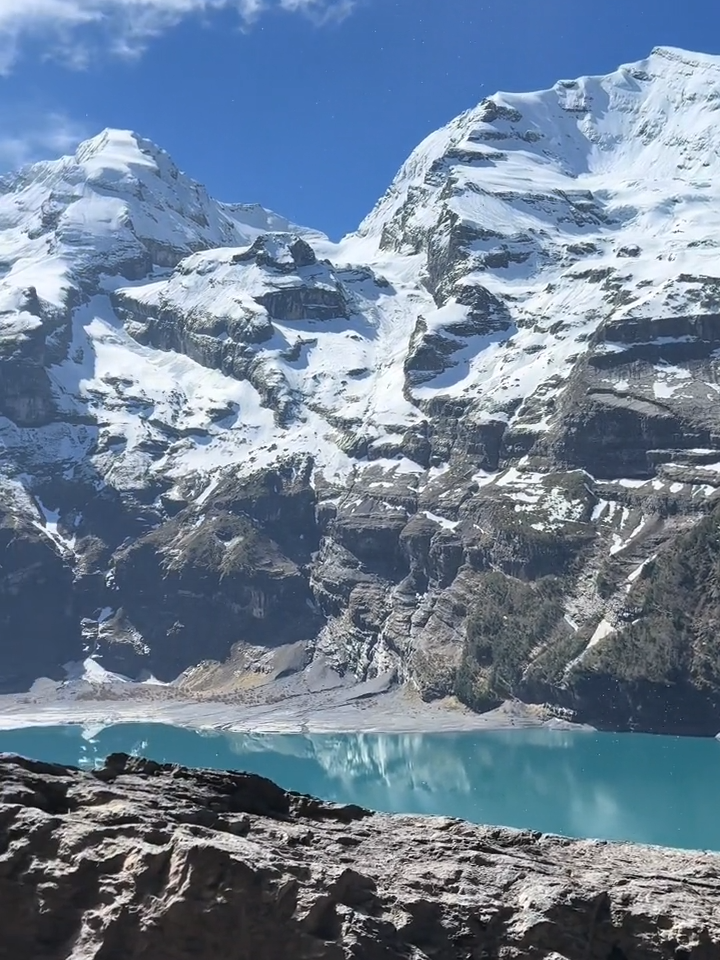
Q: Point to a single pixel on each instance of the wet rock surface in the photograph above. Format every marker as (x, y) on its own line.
(140, 859)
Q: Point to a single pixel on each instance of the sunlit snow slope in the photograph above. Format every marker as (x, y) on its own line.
(610, 180)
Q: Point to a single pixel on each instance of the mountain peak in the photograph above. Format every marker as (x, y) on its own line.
(123, 152)
(591, 132)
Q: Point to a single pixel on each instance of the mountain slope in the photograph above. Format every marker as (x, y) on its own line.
(458, 448)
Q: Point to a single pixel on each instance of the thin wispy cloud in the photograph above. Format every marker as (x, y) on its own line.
(320, 11)
(75, 30)
(32, 135)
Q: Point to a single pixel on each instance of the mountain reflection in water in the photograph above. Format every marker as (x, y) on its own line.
(650, 789)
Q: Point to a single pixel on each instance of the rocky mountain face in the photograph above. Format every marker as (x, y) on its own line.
(474, 446)
(139, 859)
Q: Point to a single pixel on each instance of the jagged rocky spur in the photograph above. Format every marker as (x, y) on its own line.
(139, 859)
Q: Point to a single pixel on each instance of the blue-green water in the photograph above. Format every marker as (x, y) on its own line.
(663, 790)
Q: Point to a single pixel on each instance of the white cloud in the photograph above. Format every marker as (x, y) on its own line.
(74, 28)
(320, 10)
(28, 135)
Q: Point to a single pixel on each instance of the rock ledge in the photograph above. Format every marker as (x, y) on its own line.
(145, 860)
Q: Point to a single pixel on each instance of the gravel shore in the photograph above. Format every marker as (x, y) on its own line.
(341, 709)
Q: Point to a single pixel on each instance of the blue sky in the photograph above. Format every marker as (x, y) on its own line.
(306, 106)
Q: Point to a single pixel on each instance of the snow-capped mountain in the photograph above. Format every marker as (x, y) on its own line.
(223, 435)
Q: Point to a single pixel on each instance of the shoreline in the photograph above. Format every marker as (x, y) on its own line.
(393, 712)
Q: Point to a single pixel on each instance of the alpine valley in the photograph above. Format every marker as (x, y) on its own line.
(473, 448)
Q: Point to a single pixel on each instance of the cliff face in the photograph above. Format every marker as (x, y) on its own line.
(140, 860)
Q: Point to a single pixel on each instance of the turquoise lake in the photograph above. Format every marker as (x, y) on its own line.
(650, 789)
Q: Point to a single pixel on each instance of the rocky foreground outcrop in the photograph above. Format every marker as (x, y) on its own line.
(142, 860)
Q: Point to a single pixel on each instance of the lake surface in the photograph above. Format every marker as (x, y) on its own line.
(650, 789)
